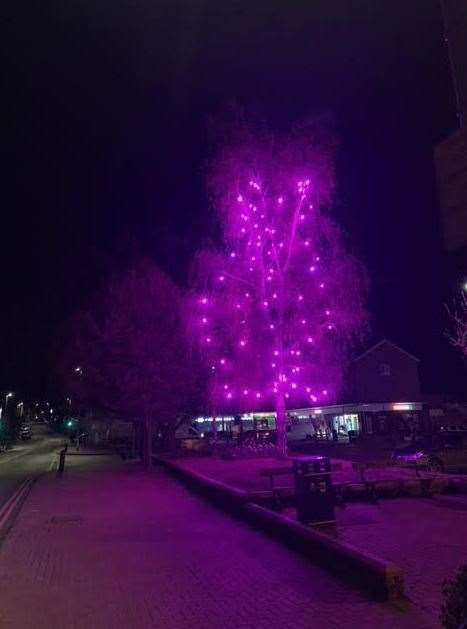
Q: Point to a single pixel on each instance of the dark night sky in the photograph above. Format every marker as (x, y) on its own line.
(105, 136)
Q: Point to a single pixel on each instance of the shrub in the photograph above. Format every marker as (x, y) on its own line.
(454, 607)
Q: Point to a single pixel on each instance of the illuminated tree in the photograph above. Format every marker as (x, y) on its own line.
(277, 306)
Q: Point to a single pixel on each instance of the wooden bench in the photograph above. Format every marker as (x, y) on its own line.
(277, 492)
(272, 472)
(370, 485)
(357, 466)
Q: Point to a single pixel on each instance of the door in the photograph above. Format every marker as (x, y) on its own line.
(463, 454)
(452, 452)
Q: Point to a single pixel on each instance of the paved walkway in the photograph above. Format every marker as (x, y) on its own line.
(425, 537)
(115, 547)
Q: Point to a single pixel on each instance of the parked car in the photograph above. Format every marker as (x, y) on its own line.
(187, 431)
(257, 437)
(300, 432)
(25, 432)
(441, 453)
(453, 428)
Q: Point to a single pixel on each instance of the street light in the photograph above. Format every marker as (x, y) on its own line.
(7, 395)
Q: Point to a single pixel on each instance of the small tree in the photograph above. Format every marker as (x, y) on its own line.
(454, 607)
(127, 352)
(276, 306)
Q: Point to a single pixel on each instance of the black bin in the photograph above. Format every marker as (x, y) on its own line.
(313, 489)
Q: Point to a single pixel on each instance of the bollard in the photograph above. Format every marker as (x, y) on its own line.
(61, 465)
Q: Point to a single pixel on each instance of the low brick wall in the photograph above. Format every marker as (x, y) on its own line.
(225, 494)
(381, 579)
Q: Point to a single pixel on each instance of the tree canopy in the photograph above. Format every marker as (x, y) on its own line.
(277, 304)
(126, 352)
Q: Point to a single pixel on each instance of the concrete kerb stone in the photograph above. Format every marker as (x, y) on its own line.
(12, 507)
(91, 453)
(108, 454)
(379, 578)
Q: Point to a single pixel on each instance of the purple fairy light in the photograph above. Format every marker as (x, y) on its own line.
(261, 279)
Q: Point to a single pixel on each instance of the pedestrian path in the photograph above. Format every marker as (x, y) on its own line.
(110, 546)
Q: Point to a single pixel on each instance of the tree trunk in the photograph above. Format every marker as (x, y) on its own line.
(214, 425)
(170, 440)
(133, 440)
(281, 424)
(147, 457)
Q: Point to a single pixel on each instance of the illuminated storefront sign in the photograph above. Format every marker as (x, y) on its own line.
(402, 406)
(202, 420)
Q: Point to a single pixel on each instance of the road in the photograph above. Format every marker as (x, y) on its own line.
(27, 460)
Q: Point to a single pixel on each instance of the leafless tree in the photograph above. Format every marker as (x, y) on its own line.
(126, 352)
(457, 331)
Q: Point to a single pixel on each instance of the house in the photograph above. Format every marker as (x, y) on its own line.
(386, 373)
(384, 397)
(383, 400)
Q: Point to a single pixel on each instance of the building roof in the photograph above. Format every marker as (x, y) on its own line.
(386, 342)
(358, 407)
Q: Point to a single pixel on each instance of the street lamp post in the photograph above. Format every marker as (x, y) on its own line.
(7, 396)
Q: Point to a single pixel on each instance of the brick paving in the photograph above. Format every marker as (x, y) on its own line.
(427, 538)
(113, 547)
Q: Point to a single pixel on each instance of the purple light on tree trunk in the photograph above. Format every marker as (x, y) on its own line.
(264, 301)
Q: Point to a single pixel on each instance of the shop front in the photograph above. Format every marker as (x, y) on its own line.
(348, 421)
(343, 423)
(345, 426)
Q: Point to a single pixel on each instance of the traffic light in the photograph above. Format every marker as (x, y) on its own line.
(70, 423)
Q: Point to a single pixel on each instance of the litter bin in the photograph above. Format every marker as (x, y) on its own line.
(313, 489)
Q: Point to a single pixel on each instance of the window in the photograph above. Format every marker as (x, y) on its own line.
(384, 369)
(344, 423)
